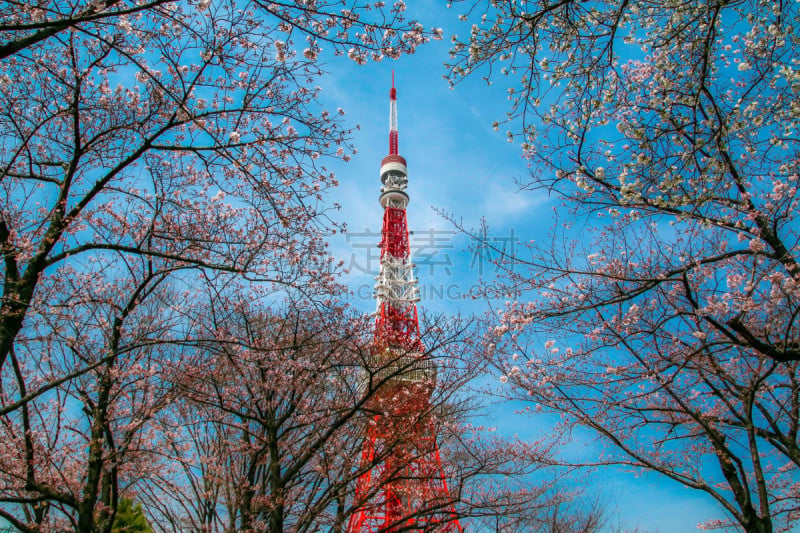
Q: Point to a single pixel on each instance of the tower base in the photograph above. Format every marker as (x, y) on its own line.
(406, 490)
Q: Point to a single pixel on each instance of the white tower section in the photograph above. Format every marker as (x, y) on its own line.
(396, 285)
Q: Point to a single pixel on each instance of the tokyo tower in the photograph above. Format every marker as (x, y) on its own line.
(403, 487)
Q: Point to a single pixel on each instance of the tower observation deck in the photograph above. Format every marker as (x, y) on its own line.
(403, 487)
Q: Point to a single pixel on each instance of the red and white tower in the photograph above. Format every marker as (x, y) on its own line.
(405, 488)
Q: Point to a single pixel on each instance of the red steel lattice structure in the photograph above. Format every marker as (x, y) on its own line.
(403, 487)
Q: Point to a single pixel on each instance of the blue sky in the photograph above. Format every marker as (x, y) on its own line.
(458, 163)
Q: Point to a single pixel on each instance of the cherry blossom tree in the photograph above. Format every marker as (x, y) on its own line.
(678, 122)
(669, 328)
(264, 437)
(507, 485)
(718, 422)
(266, 431)
(185, 95)
(71, 453)
(269, 429)
(149, 148)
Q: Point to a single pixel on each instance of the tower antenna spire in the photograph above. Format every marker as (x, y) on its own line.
(393, 140)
